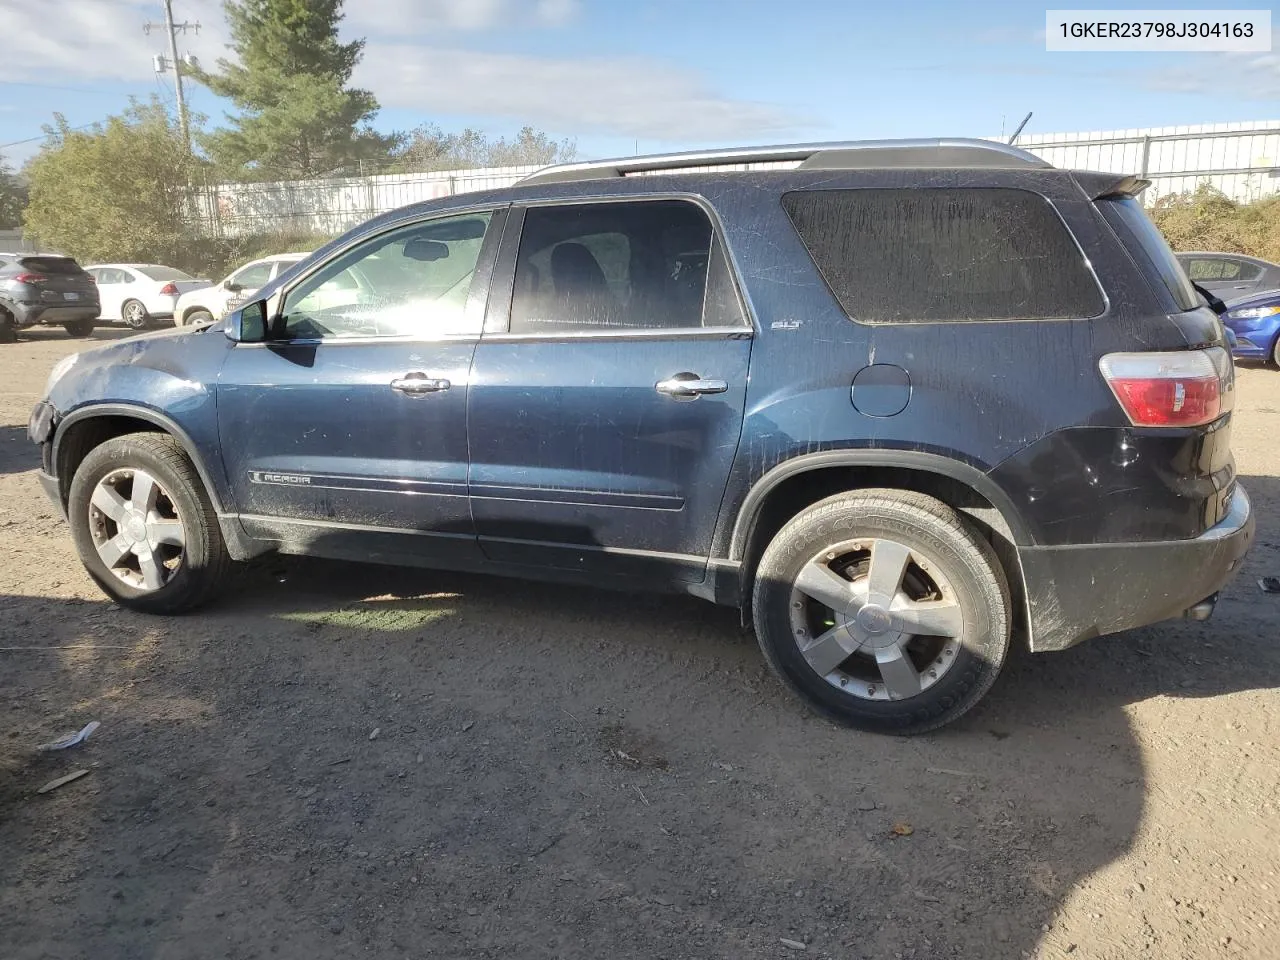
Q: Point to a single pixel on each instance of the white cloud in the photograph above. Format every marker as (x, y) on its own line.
(632, 96)
(556, 11)
(1251, 76)
(100, 39)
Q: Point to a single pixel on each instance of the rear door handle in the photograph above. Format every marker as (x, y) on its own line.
(419, 384)
(689, 386)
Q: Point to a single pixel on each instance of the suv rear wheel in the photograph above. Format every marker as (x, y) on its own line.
(143, 526)
(884, 610)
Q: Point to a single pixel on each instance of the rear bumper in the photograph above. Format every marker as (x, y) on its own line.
(1075, 593)
(31, 314)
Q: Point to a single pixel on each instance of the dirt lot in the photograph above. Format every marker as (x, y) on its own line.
(346, 760)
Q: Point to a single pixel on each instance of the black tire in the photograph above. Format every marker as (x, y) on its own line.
(1275, 353)
(197, 316)
(79, 328)
(950, 545)
(135, 315)
(8, 332)
(205, 564)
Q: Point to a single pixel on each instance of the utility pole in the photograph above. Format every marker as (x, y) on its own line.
(172, 29)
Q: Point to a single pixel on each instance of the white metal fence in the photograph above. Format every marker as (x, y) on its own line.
(1240, 159)
(332, 206)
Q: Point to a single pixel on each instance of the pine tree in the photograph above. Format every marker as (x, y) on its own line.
(297, 117)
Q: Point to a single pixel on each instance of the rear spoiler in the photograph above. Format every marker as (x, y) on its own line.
(1098, 186)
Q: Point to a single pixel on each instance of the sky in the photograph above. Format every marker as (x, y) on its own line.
(626, 76)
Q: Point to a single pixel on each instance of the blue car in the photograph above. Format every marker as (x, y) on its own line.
(1255, 321)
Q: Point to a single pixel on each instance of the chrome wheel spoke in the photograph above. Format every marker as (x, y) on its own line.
(889, 561)
(829, 650)
(898, 672)
(108, 502)
(168, 532)
(143, 495)
(930, 618)
(152, 572)
(821, 583)
(114, 550)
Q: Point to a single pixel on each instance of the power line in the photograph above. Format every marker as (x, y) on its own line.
(45, 136)
(48, 86)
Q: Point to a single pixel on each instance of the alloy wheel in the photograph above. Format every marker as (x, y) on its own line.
(876, 619)
(136, 529)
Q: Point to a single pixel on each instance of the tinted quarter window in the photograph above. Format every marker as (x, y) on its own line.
(1242, 270)
(653, 264)
(1139, 234)
(409, 282)
(925, 255)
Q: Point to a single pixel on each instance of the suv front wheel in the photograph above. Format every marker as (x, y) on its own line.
(144, 527)
(884, 610)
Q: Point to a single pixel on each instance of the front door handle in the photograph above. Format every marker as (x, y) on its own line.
(689, 386)
(419, 384)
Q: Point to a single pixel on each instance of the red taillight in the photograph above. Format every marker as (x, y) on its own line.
(29, 278)
(1184, 388)
(169, 290)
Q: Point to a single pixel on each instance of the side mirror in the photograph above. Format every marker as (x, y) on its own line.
(232, 286)
(248, 324)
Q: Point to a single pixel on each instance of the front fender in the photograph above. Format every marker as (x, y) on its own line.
(166, 380)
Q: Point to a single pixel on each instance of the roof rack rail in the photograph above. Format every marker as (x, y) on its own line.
(847, 155)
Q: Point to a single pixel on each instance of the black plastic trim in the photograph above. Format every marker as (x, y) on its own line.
(900, 459)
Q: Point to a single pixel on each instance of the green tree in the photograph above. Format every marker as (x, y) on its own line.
(13, 197)
(1207, 219)
(427, 147)
(118, 191)
(298, 118)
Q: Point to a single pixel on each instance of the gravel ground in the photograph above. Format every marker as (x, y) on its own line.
(345, 760)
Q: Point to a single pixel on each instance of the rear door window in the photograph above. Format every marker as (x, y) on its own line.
(1148, 246)
(626, 265)
(937, 255)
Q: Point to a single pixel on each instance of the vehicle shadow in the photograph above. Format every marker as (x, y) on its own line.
(17, 453)
(103, 331)
(347, 757)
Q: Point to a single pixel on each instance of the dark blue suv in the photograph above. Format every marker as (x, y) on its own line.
(897, 401)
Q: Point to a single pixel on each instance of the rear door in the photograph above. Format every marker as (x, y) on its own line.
(607, 393)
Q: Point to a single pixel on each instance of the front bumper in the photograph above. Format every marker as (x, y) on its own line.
(40, 432)
(1078, 592)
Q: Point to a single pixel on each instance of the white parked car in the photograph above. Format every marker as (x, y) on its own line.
(212, 302)
(140, 294)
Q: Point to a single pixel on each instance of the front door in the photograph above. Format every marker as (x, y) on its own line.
(346, 432)
(607, 392)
